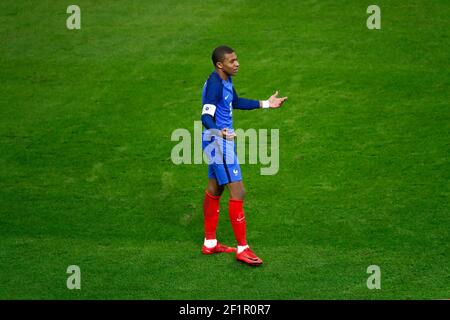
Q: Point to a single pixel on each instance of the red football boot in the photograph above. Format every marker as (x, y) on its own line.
(249, 257)
(219, 248)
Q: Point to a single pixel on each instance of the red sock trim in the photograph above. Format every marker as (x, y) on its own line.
(211, 196)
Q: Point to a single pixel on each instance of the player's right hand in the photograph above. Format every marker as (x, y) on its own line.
(228, 135)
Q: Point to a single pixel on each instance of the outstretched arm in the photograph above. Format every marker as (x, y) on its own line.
(247, 104)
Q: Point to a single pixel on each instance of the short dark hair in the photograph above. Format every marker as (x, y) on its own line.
(219, 53)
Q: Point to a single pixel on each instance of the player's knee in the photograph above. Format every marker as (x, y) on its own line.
(214, 191)
(238, 194)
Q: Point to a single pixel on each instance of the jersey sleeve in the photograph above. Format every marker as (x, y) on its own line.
(212, 92)
(244, 104)
(211, 98)
(208, 121)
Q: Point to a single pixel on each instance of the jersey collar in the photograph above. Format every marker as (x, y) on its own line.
(228, 83)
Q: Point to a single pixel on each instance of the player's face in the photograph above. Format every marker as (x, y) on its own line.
(230, 64)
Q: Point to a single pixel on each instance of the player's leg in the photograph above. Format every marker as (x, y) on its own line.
(211, 205)
(211, 216)
(237, 217)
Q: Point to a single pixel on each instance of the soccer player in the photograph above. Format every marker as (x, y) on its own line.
(219, 98)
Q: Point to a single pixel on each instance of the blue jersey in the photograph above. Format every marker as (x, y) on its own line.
(219, 98)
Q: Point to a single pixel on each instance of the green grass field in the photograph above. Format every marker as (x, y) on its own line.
(86, 177)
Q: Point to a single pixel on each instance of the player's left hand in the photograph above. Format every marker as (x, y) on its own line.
(275, 102)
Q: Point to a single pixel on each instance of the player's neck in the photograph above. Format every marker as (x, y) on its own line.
(222, 74)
